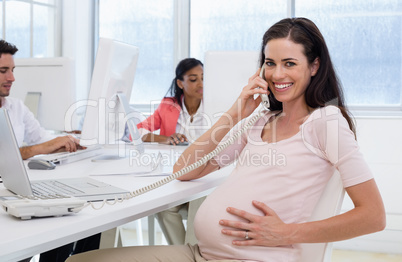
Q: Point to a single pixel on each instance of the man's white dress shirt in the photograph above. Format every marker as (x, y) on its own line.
(26, 127)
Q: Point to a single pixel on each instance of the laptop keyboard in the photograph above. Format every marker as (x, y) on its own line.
(53, 189)
(69, 157)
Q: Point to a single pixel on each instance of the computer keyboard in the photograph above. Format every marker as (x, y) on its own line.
(69, 157)
(52, 189)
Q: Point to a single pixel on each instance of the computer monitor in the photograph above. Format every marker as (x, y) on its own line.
(107, 107)
(47, 85)
(225, 75)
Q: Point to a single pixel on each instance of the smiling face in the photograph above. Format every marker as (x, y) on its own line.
(287, 70)
(6, 74)
(193, 83)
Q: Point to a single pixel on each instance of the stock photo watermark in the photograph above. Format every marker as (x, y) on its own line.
(109, 123)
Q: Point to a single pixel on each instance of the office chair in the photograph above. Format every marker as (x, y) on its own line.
(329, 205)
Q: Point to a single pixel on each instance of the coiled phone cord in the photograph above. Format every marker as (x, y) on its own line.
(181, 172)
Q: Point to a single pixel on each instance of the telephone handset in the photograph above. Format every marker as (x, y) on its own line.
(264, 97)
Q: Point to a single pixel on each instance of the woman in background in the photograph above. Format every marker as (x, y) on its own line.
(179, 119)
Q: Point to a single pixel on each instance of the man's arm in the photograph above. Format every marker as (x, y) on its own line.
(59, 144)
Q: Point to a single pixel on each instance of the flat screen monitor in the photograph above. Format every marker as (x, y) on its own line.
(225, 75)
(47, 86)
(112, 81)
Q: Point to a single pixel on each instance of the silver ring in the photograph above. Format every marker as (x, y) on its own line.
(246, 237)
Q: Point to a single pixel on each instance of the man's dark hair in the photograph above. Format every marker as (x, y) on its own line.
(7, 48)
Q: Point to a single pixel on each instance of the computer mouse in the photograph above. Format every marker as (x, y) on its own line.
(41, 164)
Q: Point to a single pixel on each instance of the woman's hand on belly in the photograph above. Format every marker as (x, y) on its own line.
(266, 230)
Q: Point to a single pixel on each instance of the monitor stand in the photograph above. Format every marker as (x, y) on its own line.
(135, 135)
(132, 127)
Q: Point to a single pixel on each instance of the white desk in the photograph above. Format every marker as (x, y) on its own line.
(21, 239)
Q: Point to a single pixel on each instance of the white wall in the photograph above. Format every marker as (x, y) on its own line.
(380, 141)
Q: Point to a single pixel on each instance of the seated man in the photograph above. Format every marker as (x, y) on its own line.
(28, 131)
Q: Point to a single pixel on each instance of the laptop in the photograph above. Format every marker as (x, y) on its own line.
(16, 180)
